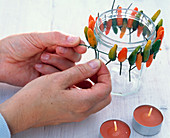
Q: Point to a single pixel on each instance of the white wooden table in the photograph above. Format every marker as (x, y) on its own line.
(18, 16)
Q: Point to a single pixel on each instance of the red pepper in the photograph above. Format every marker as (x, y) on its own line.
(160, 35)
(90, 19)
(148, 63)
(122, 56)
(109, 24)
(92, 24)
(130, 21)
(140, 29)
(119, 17)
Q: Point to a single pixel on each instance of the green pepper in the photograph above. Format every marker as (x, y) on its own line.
(136, 21)
(133, 55)
(113, 52)
(114, 22)
(146, 31)
(105, 24)
(155, 48)
(146, 52)
(114, 25)
(85, 32)
(160, 23)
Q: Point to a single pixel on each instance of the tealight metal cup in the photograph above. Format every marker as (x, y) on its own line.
(145, 130)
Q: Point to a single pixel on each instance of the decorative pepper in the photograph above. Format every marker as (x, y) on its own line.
(90, 19)
(139, 61)
(155, 48)
(119, 18)
(160, 29)
(160, 35)
(136, 21)
(132, 59)
(130, 21)
(146, 52)
(85, 32)
(109, 24)
(122, 56)
(91, 38)
(133, 55)
(140, 29)
(160, 23)
(113, 52)
(155, 16)
(123, 29)
(148, 63)
(114, 25)
(146, 31)
(91, 24)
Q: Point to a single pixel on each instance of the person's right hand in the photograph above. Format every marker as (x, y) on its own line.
(53, 99)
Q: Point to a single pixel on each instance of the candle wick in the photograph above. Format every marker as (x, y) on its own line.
(150, 111)
(115, 125)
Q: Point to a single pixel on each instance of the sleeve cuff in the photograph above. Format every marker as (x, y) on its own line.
(4, 130)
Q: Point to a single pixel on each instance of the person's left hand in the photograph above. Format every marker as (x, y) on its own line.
(25, 57)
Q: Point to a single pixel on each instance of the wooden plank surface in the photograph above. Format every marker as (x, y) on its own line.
(71, 16)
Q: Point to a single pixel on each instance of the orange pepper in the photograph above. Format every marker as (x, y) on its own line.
(90, 19)
(119, 17)
(160, 35)
(130, 21)
(109, 24)
(91, 38)
(139, 61)
(140, 30)
(148, 63)
(122, 56)
(92, 24)
(160, 29)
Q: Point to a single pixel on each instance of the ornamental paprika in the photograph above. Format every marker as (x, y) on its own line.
(113, 52)
(133, 55)
(155, 48)
(160, 23)
(146, 52)
(91, 38)
(122, 56)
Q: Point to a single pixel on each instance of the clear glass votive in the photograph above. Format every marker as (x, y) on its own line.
(121, 84)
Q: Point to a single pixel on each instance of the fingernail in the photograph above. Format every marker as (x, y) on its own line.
(62, 50)
(45, 56)
(38, 65)
(72, 39)
(94, 63)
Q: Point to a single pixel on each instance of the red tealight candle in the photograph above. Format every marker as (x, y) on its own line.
(114, 129)
(147, 120)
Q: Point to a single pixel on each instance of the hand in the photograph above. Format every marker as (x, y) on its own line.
(25, 57)
(54, 99)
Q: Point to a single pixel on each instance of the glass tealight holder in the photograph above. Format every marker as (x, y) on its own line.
(128, 82)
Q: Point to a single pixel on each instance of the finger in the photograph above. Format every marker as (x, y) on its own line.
(79, 73)
(99, 106)
(51, 49)
(84, 84)
(56, 61)
(48, 39)
(45, 69)
(101, 89)
(68, 53)
(80, 49)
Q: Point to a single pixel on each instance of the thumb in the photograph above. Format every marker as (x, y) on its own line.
(79, 73)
